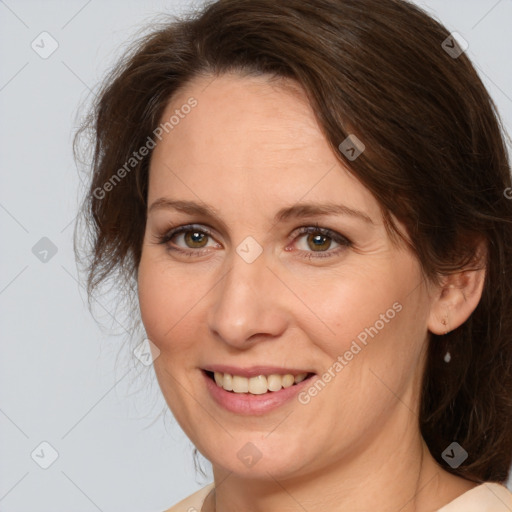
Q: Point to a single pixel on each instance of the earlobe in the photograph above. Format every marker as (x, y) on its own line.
(456, 298)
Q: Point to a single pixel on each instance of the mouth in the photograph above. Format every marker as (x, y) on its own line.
(258, 384)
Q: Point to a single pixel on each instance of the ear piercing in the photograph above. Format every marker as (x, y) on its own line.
(444, 321)
(447, 356)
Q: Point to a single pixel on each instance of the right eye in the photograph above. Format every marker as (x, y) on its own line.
(193, 237)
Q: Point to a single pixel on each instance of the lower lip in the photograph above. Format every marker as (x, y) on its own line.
(245, 403)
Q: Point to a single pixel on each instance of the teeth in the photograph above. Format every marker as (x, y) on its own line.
(227, 382)
(288, 380)
(258, 385)
(240, 384)
(274, 382)
(300, 378)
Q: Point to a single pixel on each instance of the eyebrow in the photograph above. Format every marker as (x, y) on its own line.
(300, 210)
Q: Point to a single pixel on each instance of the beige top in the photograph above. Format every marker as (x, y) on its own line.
(487, 497)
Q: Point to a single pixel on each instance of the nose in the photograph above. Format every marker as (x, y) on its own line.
(247, 304)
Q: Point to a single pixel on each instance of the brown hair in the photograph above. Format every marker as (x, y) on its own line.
(435, 158)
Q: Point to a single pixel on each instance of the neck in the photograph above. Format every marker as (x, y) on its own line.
(393, 472)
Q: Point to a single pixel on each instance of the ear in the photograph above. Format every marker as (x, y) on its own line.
(457, 296)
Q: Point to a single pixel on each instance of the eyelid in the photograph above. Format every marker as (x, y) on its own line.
(174, 230)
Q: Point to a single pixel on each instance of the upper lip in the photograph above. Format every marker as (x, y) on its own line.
(253, 371)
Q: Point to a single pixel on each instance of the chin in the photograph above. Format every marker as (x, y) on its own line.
(256, 457)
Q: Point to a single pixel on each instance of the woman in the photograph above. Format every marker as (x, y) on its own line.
(310, 199)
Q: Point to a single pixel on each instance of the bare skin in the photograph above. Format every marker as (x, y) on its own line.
(248, 149)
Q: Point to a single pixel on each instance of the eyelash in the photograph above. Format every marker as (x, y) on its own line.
(343, 241)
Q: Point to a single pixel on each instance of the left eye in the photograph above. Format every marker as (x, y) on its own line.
(320, 240)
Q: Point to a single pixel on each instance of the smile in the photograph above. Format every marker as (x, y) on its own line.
(254, 391)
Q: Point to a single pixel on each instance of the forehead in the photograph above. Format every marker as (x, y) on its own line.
(241, 112)
(252, 140)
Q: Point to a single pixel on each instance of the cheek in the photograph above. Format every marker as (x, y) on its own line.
(353, 305)
(374, 319)
(163, 300)
(172, 307)
(152, 302)
(166, 308)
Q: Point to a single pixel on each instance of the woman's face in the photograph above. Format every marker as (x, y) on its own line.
(285, 268)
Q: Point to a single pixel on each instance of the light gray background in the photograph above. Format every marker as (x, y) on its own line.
(60, 378)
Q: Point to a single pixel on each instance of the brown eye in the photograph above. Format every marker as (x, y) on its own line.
(318, 242)
(195, 239)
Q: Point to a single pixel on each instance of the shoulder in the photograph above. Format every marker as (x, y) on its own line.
(194, 502)
(487, 497)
